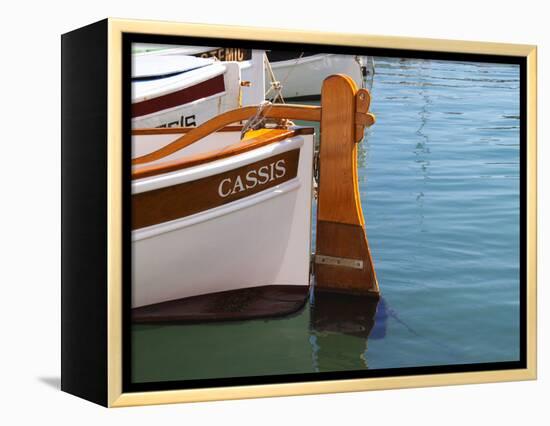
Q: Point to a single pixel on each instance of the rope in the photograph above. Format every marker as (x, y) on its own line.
(275, 84)
(367, 75)
(257, 119)
(362, 70)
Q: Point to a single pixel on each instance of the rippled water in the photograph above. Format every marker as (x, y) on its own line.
(439, 181)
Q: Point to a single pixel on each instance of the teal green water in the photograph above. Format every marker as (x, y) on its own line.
(439, 181)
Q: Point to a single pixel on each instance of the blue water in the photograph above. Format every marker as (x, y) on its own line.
(439, 181)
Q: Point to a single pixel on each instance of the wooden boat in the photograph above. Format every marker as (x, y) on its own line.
(221, 224)
(190, 212)
(182, 91)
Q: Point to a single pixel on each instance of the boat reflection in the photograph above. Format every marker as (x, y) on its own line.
(334, 318)
(347, 314)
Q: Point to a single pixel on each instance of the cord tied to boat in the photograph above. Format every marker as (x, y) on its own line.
(366, 71)
(259, 120)
(274, 84)
(316, 173)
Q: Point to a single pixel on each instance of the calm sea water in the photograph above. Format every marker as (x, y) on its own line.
(439, 181)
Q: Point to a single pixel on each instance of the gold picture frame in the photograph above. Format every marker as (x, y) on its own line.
(115, 396)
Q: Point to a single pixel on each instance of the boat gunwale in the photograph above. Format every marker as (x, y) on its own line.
(307, 59)
(240, 147)
(179, 130)
(217, 167)
(179, 81)
(277, 111)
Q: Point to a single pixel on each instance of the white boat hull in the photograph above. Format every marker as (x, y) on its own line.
(258, 240)
(303, 77)
(187, 99)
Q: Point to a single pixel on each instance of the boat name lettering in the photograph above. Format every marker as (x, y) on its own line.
(227, 54)
(184, 121)
(252, 178)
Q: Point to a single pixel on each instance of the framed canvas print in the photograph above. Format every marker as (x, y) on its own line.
(256, 212)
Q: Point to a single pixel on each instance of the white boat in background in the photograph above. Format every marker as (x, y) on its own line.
(182, 91)
(251, 64)
(298, 74)
(301, 74)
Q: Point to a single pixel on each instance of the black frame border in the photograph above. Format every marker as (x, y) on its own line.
(128, 386)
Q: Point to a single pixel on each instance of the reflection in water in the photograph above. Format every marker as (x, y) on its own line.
(341, 325)
(334, 317)
(347, 314)
(362, 152)
(422, 148)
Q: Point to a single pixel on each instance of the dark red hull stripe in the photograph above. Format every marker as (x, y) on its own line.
(189, 94)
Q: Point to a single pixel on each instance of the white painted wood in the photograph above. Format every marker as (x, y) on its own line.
(304, 76)
(253, 72)
(259, 240)
(157, 66)
(202, 109)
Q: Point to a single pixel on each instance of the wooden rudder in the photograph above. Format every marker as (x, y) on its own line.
(343, 261)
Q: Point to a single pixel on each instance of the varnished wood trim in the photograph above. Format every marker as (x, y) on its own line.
(345, 241)
(178, 130)
(362, 116)
(340, 221)
(177, 201)
(283, 111)
(338, 169)
(272, 136)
